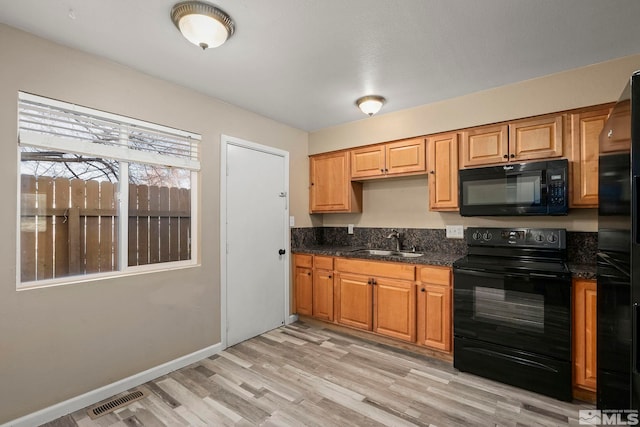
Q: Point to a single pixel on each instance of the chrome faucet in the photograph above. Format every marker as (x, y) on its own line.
(395, 235)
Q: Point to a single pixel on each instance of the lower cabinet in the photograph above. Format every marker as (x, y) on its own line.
(584, 335)
(394, 308)
(354, 297)
(434, 307)
(323, 294)
(378, 296)
(303, 282)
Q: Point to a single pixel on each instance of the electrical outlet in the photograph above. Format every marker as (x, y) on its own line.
(292, 221)
(454, 231)
(350, 229)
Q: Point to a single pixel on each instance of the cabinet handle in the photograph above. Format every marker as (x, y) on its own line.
(386, 170)
(382, 170)
(309, 274)
(329, 277)
(373, 282)
(513, 156)
(369, 282)
(432, 172)
(422, 290)
(505, 156)
(312, 183)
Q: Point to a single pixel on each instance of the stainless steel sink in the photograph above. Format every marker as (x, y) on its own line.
(381, 252)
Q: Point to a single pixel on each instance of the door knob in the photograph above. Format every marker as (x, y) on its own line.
(282, 251)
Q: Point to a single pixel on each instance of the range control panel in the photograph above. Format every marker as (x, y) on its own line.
(550, 238)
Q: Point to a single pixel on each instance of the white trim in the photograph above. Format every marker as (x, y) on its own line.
(76, 403)
(103, 114)
(226, 140)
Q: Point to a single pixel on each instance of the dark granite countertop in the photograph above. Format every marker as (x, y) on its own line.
(582, 271)
(429, 258)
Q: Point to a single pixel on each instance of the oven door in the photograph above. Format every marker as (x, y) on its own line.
(530, 312)
(503, 190)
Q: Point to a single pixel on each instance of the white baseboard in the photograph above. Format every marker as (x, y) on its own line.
(292, 319)
(76, 403)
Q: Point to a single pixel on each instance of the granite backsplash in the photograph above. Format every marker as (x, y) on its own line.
(581, 246)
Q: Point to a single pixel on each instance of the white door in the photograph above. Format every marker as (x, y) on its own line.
(257, 239)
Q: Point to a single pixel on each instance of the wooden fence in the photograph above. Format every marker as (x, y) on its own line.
(70, 226)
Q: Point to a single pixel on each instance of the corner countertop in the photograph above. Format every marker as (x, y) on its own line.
(580, 271)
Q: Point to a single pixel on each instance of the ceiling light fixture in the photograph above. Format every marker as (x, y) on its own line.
(202, 24)
(370, 104)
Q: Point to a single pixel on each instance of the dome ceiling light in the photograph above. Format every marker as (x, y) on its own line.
(370, 104)
(202, 24)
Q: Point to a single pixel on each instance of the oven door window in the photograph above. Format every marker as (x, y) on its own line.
(521, 311)
(522, 189)
(515, 309)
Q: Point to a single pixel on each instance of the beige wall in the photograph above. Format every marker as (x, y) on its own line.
(403, 203)
(59, 342)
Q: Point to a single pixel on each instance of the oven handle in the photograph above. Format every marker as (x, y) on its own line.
(485, 273)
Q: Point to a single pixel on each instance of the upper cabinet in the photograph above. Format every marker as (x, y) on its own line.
(406, 157)
(617, 136)
(443, 172)
(585, 132)
(331, 189)
(517, 141)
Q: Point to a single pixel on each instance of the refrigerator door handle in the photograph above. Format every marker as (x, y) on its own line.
(635, 196)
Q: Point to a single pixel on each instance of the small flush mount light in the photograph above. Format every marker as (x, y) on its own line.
(370, 104)
(202, 24)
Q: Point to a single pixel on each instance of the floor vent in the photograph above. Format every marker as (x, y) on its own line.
(115, 403)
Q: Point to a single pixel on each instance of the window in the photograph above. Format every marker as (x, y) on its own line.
(101, 193)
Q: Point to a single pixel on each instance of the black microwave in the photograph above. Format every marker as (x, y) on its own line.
(536, 188)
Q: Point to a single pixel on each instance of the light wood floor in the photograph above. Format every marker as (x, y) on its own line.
(303, 374)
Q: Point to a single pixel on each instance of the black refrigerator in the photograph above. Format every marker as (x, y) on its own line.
(618, 272)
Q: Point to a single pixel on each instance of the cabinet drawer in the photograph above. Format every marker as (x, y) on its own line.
(303, 260)
(435, 275)
(376, 268)
(323, 262)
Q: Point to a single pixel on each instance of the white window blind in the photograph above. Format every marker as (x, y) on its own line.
(52, 124)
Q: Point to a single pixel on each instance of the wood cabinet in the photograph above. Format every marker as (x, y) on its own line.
(585, 129)
(323, 288)
(517, 141)
(617, 135)
(394, 308)
(434, 307)
(313, 283)
(443, 172)
(376, 296)
(584, 334)
(484, 145)
(331, 189)
(406, 157)
(303, 283)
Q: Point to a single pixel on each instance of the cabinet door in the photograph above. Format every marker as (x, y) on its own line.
(331, 189)
(585, 134)
(617, 136)
(394, 308)
(434, 316)
(304, 291)
(323, 294)
(368, 162)
(484, 145)
(443, 172)
(535, 138)
(405, 157)
(584, 333)
(354, 299)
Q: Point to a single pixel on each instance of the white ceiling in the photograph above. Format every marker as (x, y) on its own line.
(304, 62)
